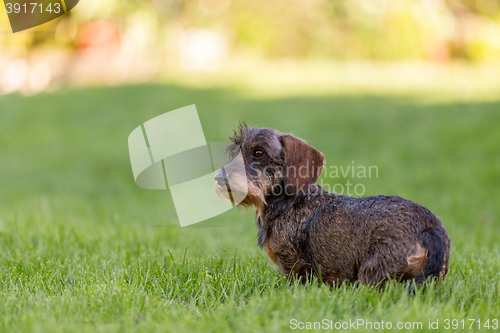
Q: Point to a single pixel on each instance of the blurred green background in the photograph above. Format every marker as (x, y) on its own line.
(439, 30)
(110, 42)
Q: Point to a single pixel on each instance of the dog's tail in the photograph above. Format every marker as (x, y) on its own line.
(434, 243)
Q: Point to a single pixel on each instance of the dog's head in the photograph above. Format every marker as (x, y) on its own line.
(274, 164)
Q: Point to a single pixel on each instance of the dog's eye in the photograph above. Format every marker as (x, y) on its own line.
(258, 153)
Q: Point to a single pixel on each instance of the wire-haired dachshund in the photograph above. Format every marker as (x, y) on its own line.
(306, 230)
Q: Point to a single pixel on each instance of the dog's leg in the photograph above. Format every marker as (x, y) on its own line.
(373, 271)
(384, 262)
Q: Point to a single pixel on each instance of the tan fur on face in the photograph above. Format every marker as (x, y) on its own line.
(255, 194)
(416, 263)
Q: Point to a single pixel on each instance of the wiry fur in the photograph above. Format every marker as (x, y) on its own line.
(312, 231)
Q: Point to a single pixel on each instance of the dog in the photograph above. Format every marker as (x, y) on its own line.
(308, 231)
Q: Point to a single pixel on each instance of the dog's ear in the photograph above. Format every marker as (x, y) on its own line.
(303, 164)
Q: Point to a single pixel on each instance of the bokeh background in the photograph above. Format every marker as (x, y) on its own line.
(110, 42)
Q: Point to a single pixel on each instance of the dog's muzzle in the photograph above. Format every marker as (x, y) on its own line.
(221, 178)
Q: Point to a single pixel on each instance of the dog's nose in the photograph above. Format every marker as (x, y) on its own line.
(219, 178)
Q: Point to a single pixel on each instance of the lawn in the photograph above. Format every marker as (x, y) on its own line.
(83, 249)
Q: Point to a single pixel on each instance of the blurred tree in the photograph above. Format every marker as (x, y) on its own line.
(437, 30)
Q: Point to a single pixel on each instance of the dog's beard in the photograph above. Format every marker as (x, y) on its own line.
(223, 191)
(242, 192)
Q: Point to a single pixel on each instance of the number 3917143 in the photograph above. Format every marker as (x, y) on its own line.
(32, 8)
(470, 323)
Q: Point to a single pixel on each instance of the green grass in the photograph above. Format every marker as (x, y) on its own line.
(82, 248)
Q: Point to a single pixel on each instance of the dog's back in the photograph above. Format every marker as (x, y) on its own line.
(347, 238)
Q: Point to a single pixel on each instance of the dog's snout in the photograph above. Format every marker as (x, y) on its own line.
(220, 177)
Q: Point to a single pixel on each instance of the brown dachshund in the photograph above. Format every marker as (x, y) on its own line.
(306, 230)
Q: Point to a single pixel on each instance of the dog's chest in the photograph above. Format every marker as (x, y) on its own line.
(283, 255)
(284, 251)
(270, 251)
